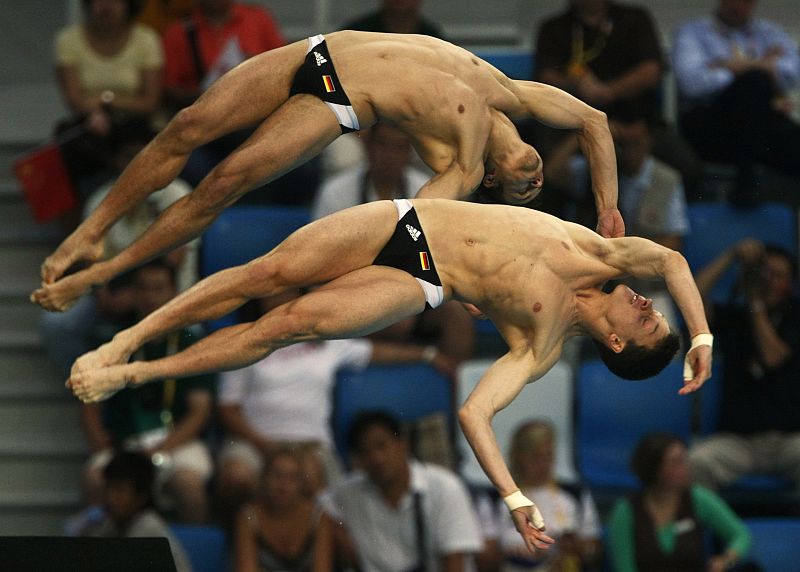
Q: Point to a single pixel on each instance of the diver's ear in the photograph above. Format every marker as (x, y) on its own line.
(489, 179)
(615, 343)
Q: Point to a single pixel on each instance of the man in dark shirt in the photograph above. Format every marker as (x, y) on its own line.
(609, 55)
(397, 17)
(758, 336)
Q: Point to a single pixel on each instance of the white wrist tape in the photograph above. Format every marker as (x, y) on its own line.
(697, 341)
(517, 500)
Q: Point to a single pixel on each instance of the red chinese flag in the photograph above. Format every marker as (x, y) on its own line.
(45, 182)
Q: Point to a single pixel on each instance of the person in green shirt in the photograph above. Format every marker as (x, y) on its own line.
(660, 528)
(166, 420)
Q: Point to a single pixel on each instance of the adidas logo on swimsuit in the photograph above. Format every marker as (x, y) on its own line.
(413, 232)
(320, 59)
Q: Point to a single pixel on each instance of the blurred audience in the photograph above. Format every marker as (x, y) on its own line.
(128, 481)
(164, 420)
(159, 14)
(757, 333)
(651, 195)
(396, 17)
(275, 532)
(662, 526)
(569, 510)
(609, 55)
(386, 173)
(397, 513)
(733, 71)
(109, 72)
(286, 400)
(217, 36)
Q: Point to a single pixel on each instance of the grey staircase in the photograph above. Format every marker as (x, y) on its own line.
(41, 446)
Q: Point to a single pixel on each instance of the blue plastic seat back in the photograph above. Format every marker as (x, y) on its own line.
(716, 227)
(241, 234)
(409, 391)
(613, 414)
(776, 543)
(204, 545)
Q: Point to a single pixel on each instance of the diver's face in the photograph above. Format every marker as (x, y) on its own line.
(521, 177)
(633, 318)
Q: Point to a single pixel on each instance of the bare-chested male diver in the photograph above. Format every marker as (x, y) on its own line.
(538, 278)
(456, 108)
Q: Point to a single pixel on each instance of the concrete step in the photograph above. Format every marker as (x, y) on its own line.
(20, 264)
(26, 373)
(19, 322)
(36, 521)
(40, 481)
(16, 220)
(41, 428)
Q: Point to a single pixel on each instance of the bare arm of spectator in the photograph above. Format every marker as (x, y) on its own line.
(192, 423)
(772, 349)
(452, 329)
(92, 423)
(454, 562)
(235, 424)
(245, 542)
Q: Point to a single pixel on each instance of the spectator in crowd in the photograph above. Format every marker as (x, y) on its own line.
(159, 14)
(285, 400)
(400, 514)
(217, 36)
(568, 509)
(651, 194)
(109, 73)
(733, 71)
(396, 17)
(275, 533)
(128, 481)
(662, 526)
(98, 317)
(164, 421)
(758, 336)
(609, 55)
(386, 174)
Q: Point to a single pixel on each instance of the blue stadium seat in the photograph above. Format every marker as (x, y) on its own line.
(515, 64)
(613, 414)
(717, 226)
(409, 391)
(775, 543)
(241, 234)
(549, 398)
(205, 546)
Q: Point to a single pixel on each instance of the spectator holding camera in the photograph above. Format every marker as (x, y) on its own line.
(758, 335)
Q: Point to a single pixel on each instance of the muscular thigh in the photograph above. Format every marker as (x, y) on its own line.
(360, 303)
(298, 131)
(327, 248)
(252, 90)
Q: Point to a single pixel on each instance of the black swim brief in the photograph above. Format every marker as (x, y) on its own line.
(317, 76)
(407, 250)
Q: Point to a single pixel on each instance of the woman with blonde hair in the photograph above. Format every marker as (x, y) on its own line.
(568, 509)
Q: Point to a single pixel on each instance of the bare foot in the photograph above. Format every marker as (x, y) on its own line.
(106, 355)
(100, 384)
(72, 250)
(61, 295)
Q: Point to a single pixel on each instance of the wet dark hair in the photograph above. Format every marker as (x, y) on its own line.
(648, 456)
(130, 467)
(134, 7)
(637, 362)
(366, 420)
